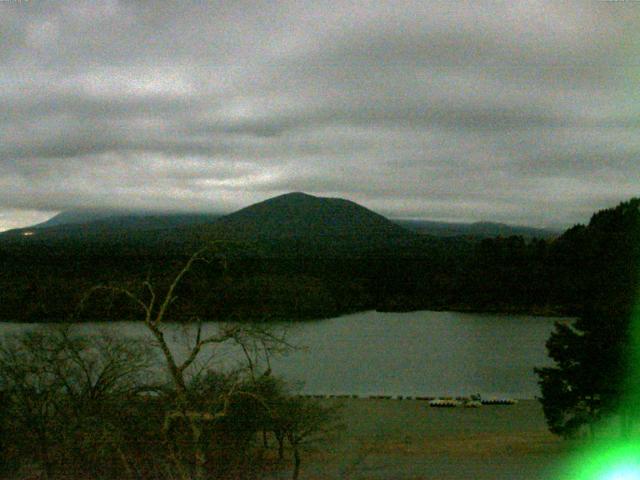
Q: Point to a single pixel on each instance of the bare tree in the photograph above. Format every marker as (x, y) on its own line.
(306, 423)
(54, 380)
(31, 393)
(154, 306)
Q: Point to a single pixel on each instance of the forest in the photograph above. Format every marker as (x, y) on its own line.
(289, 278)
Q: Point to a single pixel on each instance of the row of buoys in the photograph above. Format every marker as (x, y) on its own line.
(471, 402)
(328, 396)
(368, 397)
(444, 402)
(498, 401)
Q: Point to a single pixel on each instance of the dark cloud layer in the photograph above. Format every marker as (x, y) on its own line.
(518, 112)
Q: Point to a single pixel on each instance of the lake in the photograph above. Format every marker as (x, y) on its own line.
(411, 354)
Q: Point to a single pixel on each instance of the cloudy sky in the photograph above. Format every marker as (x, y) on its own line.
(526, 113)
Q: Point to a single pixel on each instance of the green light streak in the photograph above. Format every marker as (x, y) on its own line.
(617, 460)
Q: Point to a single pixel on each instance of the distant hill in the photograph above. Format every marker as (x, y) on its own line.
(109, 223)
(295, 224)
(80, 216)
(291, 216)
(476, 229)
(302, 217)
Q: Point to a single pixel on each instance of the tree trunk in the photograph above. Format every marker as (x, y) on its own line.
(296, 462)
(199, 456)
(125, 464)
(174, 371)
(44, 453)
(280, 439)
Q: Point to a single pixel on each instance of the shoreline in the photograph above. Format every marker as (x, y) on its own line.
(542, 313)
(420, 398)
(409, 440)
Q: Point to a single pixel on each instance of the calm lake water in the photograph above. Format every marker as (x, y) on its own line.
(413, 354)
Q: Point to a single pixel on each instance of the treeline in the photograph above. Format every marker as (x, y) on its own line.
(596, 358)
(297, 280)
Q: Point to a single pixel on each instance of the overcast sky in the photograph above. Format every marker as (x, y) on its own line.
(519, 112)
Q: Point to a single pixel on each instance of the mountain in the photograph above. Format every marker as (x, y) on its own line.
(295, 224)
(292, 256)
(79, 216)
(109, 223)
(299, 256)
(299, 216)
(476, 229)
(290, 216)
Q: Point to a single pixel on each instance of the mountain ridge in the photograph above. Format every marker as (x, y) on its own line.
(480, 229)
(109, 221)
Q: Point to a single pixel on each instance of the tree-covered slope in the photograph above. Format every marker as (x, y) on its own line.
(299, 256)
(302, 216)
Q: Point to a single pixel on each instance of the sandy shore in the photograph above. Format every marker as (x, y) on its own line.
(407, 439)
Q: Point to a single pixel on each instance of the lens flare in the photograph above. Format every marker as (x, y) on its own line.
(616, 456)
(606, 461)
(623, 473)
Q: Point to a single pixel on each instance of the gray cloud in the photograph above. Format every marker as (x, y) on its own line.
(513, 112)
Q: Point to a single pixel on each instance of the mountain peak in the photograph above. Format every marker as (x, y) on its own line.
(302, 216)
(293, 195)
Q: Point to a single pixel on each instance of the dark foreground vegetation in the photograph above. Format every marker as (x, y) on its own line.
(80, 407)
(97, 407)
(298, 257)
(597, 358)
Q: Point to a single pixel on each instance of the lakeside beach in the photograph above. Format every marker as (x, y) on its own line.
(408, 439)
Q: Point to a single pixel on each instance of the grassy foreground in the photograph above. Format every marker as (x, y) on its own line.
(407, 439)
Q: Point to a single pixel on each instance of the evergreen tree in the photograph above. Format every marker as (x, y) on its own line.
(590, 377)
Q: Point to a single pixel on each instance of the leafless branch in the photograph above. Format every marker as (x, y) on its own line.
(169, 297)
